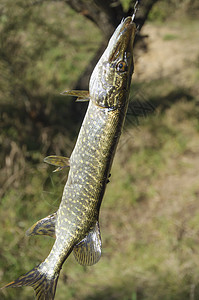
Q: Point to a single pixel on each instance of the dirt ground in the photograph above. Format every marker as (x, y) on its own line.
(172, 50)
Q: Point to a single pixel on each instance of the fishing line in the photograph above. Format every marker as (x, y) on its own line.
(135, 10)
(53, 189)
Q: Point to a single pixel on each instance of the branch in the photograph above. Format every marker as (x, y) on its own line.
(101, 12)
(143, 12)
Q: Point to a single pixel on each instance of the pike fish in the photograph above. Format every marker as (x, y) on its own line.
(75, 225)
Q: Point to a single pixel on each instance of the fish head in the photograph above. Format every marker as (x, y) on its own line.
(110, 81)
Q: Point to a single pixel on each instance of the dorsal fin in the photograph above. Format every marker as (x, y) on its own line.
(88, 251)
(81, 95)
(57, 161)
(45, 226)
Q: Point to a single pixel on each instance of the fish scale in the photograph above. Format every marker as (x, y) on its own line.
(90, 182)
(75, 225)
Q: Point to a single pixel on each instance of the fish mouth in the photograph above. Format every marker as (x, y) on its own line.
(121, 42)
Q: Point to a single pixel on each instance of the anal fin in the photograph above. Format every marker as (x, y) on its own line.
(57, 161)
(45, 226)
(88, 251)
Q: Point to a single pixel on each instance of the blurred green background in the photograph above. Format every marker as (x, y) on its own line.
(150, 213)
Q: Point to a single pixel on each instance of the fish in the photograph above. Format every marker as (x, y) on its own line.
(75, 225)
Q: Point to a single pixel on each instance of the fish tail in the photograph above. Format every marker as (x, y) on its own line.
(44, 286)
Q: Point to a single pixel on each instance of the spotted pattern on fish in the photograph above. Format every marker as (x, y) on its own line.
(75, 224)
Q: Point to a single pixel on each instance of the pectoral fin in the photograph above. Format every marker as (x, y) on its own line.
(45, 226)
(57, 161)
(81, 95)
(88, 251)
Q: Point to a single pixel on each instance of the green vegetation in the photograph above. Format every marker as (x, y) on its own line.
(164, 10)
(150, 214)
(169, 37)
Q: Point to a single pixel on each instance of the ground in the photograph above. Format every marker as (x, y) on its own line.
(150, 213)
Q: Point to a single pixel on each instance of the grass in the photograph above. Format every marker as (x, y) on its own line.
(150, 214)
(149, 218)
(170, 37)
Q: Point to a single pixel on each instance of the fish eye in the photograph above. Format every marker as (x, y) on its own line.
(121, 66)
